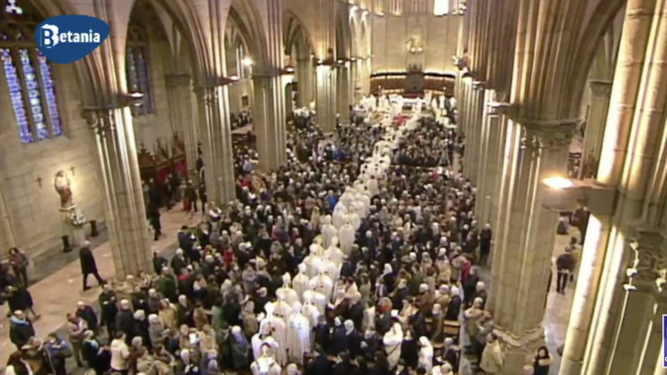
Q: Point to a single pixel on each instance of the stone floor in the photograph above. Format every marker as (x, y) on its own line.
(556, 317)
(56, 294)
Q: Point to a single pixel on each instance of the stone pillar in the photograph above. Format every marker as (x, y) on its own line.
(216, 142)
(269, 122)
(326, 98)
(179, 96)
(591, 266)
(542, 153)
(597, 119)
(7, 240)
(304, 77)
(124, 206)
(343, 91)
(476, 123)
(488, 155)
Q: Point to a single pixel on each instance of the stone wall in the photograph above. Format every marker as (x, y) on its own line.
(149, 128)
(437, 37)
(31, 207)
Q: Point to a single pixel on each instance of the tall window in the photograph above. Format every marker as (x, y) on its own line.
(28, 74)
(441, 7)
(138, 69)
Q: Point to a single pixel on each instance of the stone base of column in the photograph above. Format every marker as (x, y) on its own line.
(519, 351)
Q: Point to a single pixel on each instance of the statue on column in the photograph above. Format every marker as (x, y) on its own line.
(62, 185)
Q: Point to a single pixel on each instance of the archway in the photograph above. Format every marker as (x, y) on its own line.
(299, 50)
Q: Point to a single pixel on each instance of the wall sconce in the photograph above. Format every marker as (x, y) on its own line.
(247, 62)
(224, 81)
(287, 71)
(134, 99)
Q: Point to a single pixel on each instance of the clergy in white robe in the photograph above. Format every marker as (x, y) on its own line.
(368, 323)
(339, 215)
(334, 253)
(282, 309)
(328, 232)
(261, 338)
(290, 295)
(279, 331)
(425, 360)
(320, 301)
(309, 309)
(346, 236)
(298, 335)
(323, 284)
(266, 363)
(331, 269)
(301, 281)
(313, 261)
(354, 219)
(392, 341)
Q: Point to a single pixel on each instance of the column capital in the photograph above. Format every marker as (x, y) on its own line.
(550, 134)
(178, 79)
(648, 270)
(600, 88)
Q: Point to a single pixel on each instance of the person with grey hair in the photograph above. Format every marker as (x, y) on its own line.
(88, 265)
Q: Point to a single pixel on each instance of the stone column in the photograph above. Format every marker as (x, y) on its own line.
(8, 240)
(124, 206)
(477, 119)
(343, 91)
(542, 153)
(326, 98)
(597, 119)
(179, 96)
(304, 77)
(216, 140)
(488, 157)
(268, 122)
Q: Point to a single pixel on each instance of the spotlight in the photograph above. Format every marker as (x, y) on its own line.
(247, 61)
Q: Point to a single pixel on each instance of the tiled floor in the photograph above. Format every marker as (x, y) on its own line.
(59, 293)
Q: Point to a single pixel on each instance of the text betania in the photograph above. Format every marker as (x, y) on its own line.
(51, 36)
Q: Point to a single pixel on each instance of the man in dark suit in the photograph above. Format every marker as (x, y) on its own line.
(88, 265)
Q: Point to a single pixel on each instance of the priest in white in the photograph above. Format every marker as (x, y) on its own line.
(298, 335)
(266, 362)
(425, 360)
(323, 284)
(346, 236)
(309, 309)
(290, 295)
(301, 280)
(278, 331)
(264, 336)
(328, 232)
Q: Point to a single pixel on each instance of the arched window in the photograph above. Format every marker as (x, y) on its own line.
(441, 7)
(28, 74)
(138, 69)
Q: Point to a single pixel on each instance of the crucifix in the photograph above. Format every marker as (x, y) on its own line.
(39, 181)
(72, 170)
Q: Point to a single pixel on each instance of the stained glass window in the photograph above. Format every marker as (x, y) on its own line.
(16, 93)
(138, 70)
(29, 77)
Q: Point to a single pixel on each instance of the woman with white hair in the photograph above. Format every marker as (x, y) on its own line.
(425, 354)
(156, 330)
(392, 341)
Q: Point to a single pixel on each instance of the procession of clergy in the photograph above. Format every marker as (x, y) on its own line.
(357, 257)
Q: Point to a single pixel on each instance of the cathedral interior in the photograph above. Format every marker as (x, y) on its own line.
(562, 105)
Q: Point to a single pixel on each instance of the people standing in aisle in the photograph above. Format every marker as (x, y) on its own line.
(88, 265)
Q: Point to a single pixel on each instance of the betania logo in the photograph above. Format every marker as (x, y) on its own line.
(66, 39)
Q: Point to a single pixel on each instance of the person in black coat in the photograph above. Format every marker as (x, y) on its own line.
(20, 329)
(410, 351)
(109, 309)
(352, 339)
(125, 321)
(338, 339)
(322, 334)
(454, 307)
(88, 265)
(320, 365)
(86, 313)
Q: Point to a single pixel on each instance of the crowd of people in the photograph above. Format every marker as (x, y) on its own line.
(358, 256)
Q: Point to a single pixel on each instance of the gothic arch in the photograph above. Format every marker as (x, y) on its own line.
(354, 34)
(296, 35)
(343, 41)
(599, 24)
(249, 23)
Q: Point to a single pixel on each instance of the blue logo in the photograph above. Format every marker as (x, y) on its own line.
(664, 341)
(66, 39)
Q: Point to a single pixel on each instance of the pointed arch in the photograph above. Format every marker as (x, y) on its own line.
(296, 34)
(251, 26)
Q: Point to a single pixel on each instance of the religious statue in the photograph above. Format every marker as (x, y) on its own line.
(62, 185)
(414, 44)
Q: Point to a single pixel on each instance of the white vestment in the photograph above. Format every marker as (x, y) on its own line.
(300, 284)
(392, 346)
(322, 284)
(311, 312)
(426, 358)
(320, 301)
(257, 341)
(279, 329)
(313, 265)
(265, 365)
(282, 309)
(328, 233)
(346, 238)
(335, 255)
(368, 322)
(291, 296)
(298, 337)
(339, 214)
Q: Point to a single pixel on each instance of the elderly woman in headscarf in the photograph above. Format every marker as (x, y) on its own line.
(239, 349)
(156, 330)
